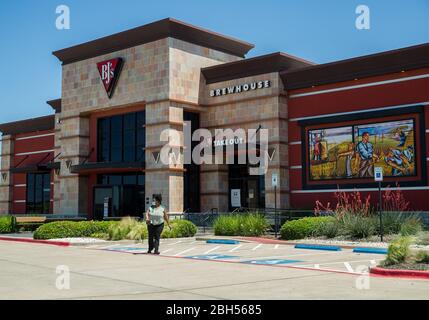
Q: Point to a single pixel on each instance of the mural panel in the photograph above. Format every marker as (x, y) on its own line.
(352, 152)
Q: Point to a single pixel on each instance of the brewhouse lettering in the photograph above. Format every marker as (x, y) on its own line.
(240, 88)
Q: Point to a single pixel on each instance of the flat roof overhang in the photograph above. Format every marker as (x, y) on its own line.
(27, 126)
(274, 62)
(102, 167)
(151, 32)
(393, 61)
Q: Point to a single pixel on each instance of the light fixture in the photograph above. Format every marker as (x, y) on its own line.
(4, 176)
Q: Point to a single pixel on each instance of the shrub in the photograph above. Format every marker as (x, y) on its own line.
(138, 232)
(240, 225)
(358, 227)
(329, 229)
(411, 227)
(71, 229)
(7, 224)
(398, 252)
(393, 222)
(422, 257)
(100, 235)
(302, 228)
(119, 231)
(180, 229)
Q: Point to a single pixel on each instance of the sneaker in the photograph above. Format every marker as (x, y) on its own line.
(157, 253)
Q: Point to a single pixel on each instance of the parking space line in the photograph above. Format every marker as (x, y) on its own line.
(168, 250)
(212, 249)
(172, 244)
(348, 267)
(340, 262)
(257, 247)
(294, 255)
(236, 248)
(276, 246)
(185, 251)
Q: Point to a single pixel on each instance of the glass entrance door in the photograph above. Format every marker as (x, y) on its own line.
(102, 196)
(245, 190)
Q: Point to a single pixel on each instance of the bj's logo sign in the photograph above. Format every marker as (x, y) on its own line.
(109, 72)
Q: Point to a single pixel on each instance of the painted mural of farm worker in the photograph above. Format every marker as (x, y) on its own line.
(401, 137)
(409, 154)
(365, 150)
(349, 154)
(317, 149)
(397, 161)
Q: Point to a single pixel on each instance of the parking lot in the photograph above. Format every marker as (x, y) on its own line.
(194, 270)
(344, 261)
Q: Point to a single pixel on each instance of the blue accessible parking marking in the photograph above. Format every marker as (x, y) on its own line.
(211, 257)
(128, 249)
(318, 247)
(370, 250)
(222, 241)
(271, 262)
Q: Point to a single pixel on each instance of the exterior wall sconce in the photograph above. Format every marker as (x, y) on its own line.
(57, 171)
(68, 164)
(156, 155)
(4, 176)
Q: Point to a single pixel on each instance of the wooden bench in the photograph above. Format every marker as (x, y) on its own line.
(30, 220)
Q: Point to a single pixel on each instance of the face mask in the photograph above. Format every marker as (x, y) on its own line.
(153, 203)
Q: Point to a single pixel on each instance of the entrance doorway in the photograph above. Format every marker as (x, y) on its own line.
(245, 190)
(119, 196)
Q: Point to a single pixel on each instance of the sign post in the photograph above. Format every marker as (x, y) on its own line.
(274, 183)
(378, 177)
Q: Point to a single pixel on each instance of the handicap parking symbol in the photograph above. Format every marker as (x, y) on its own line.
(211, 257)
(271, 262)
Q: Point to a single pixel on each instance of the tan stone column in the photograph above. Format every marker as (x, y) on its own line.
(57, 174)
(5, 175)
(164, 179)
(214, 188)
(74, 142)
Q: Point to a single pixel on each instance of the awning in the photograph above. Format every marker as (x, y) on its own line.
(100, 167)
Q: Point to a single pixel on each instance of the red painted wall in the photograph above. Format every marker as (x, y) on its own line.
(373, 97)
(19, 180)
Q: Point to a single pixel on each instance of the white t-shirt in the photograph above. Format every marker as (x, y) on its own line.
(156, 215)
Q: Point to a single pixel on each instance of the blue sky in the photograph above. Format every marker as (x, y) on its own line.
(320, 31)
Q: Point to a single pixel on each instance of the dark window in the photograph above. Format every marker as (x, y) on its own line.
(38, 193)
(126, 193)
(122, 138)
(191, 190)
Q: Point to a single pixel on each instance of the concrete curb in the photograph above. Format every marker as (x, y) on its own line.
(29, 240)
(399, 273)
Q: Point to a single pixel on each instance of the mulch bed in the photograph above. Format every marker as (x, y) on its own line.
(409, 266)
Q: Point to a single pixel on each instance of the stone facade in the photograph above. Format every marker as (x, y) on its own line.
(265, 108)
(5, 176)
(156, 74)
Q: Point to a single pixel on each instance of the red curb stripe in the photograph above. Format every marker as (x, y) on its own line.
(400, 273)
(25, 240)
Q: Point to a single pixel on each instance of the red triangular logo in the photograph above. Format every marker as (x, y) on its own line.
(109, 72)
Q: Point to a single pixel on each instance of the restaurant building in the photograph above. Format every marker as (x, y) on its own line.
(328, 126)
